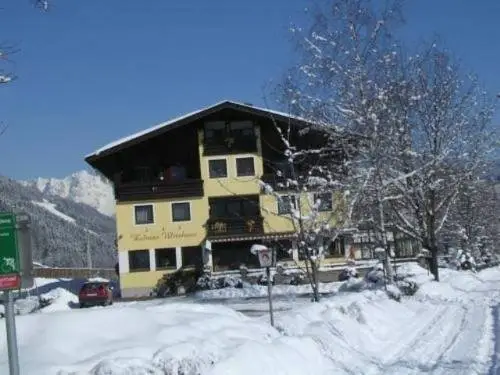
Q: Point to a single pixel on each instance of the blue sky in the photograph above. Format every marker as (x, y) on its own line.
(94, 71)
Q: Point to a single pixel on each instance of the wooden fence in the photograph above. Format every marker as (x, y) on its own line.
(74, 273)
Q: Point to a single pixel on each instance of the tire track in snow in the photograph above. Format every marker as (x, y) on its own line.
(411, 335)
(449, 342)
(424, 353)
(463, 355)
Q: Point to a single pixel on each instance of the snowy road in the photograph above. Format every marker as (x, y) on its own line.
(451, 327)
(455, 329)
(449, 339)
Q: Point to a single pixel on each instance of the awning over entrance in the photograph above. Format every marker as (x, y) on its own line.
(269, 237)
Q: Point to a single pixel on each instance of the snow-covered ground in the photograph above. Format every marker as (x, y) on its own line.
(255, 291)
(445, 328)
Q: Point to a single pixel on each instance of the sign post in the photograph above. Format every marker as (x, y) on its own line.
(15, 271)
(266, 261)
(381, 255)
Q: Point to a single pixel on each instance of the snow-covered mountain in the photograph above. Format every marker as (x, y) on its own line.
(80, 187)
(62, 229)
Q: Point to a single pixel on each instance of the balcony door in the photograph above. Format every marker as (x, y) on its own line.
(241, 207)
(234, 216)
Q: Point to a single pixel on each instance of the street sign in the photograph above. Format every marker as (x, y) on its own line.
(264, 253)
(24, 249)
(265, 258)
(380, 254)
(10, 276)
(9, 282)
(9, 254)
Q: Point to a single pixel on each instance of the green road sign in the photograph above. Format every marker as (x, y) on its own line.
(9, 254)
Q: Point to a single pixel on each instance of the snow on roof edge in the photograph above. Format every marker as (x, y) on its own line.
(179, 118)
(148, 130)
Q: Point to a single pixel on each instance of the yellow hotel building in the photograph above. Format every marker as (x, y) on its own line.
(189, 193)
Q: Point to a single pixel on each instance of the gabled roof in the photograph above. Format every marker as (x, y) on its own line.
(188, 118)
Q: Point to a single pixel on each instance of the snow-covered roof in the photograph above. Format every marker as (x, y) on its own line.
(170, 122)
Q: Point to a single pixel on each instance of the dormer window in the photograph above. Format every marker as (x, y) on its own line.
(215, 131)
(222, 137)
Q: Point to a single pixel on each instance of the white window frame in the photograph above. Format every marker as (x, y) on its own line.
(173, 267)
(143, 204)
(133, 270)
(208, 168)
(244, 157)
(320, 193)
(172, 212)
(294, 204)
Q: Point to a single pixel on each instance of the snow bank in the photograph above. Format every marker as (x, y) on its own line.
(60, 300)
(255, 291)
(98, 279)
(349, 333)
(167, 338)
(41, 281)
(23, 306)
(455, 286)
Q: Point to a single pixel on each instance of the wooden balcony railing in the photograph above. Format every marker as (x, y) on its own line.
(230, 146)
(158, 189)
(219, 227)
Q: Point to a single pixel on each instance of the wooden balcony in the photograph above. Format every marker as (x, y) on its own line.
(222, 227)
(231, 146)
(158, 189)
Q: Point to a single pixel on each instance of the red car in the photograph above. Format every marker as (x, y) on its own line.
(95, 293)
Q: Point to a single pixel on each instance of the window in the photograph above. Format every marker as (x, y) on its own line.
(192, 256)
(286, 203)
(284, 250)
(325, 201)
(144, 214)
(138, 260)
(221, 137)
(165, 258)
(181, 211)
(217, 168)
(236, 208)
(241, 129)
(215, 131)
(333, 249)
(245, 167)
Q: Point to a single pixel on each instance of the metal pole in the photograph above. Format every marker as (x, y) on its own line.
(269, 296)
(89, 258)
(89, 255)
(10, 325)
(385, 280)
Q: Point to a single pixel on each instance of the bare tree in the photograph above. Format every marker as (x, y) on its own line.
(446, 140)
(350, 75)
(312, 189)
(42, 4)
(473, 224)
(7, 51)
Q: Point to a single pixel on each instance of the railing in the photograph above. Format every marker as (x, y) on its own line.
(230, 146)
(220, 227)
(58, 273)
(158, 189)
